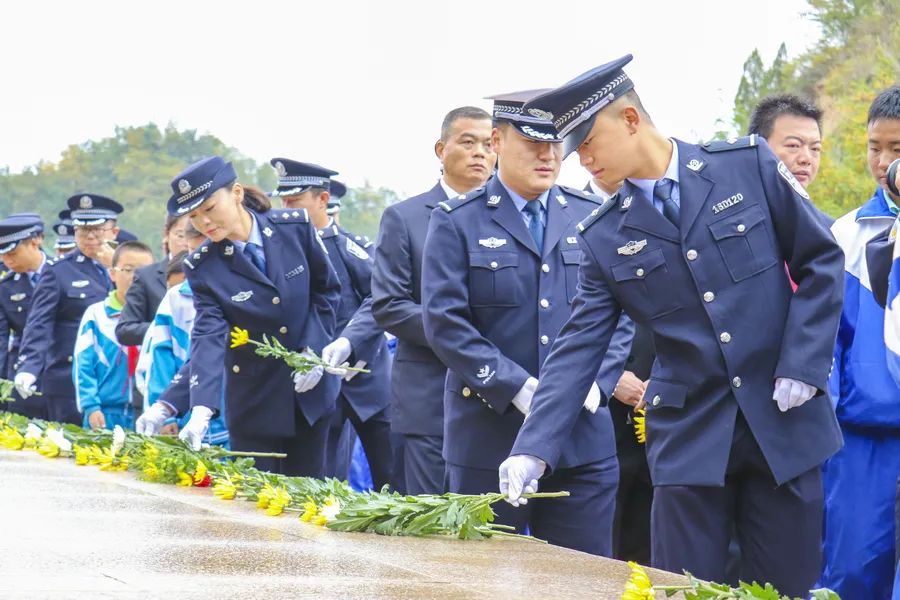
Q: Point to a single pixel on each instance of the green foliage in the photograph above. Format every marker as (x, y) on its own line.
(361, 209)
(857, 57)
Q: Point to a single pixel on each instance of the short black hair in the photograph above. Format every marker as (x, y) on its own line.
(463, 112)
(886, 105)
(762, 121)
(130, 246)
(192, 232)
(175, 265)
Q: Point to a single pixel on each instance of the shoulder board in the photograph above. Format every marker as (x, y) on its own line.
(454, 203)
(581, 194)
(288, 215)
(748, 141)
(6, 276)
(192, 260)
(597, 213)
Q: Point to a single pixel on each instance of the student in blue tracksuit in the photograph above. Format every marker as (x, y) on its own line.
(861, 480)
(265, 271)
(100, 365)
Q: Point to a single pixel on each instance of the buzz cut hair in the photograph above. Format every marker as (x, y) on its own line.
(463, 112)
(632, 98)
(886, 105)
(130, 246)
(762, 121)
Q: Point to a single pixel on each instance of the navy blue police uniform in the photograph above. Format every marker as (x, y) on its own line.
(16, 294)
(417, 375)
(363, 401)
(493, 304)
(710, 285)
(292, 298)
(67, 287)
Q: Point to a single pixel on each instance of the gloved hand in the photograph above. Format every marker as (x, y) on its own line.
(790, 393)
(153, 419)
(519, 475)
(303, 382)
(196, 426)
(337, 353)
(25, 384)
(592, 402)
(522, 399)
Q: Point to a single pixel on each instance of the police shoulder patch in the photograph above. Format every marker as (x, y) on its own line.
(733, 143)
(597, 213)
(581, 194)
(289, 215)
(454, 203)
(356, 250)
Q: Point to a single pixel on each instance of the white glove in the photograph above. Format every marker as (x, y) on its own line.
(303, 382)
(25, 384)
(522, 399)
(592, 402)
(196, 427)
(337, 353)
(519, 475)
(790, 393)
(152, 420)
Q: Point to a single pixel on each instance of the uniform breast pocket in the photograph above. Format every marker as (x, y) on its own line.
(744, 243)
(571, 261)
(645, 285)
(493, 279)
(80, 299)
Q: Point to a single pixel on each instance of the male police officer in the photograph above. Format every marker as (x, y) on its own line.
(693, 246)
(417, 377)
(364, 397)
(498, 277)
(65, 233)
(20, 249)
(66, 288)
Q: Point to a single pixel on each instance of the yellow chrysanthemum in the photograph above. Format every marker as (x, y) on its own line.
(151, 472)
(239, 337)
(199, 473)
(10, 438)
(638, 586)
(309, 511)
(278, 502)
(184, 479)
(224, 489)
(48, 448)
(151, 452)
(330, 509)
(82, 455)
(265, 496)
(640, 426)
(320, 520)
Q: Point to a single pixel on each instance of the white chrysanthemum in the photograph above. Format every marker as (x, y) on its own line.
(57, 437)
(33, 432)
(118, 441)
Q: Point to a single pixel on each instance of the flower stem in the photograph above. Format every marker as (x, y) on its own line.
(254, 454)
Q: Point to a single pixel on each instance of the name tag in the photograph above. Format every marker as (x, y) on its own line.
(294, 272)
(727, 203)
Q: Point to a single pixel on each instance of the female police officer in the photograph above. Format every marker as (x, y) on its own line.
(267, 272)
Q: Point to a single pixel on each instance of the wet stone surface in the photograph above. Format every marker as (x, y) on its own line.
(77, 532)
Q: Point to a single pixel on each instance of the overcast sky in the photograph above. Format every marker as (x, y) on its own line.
(360, 87)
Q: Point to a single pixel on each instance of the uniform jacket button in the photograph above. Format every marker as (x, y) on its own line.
(656, 400)
(236, 369)
(639, 272)
(692, 255)
(545, 303)
(70, 359)
(276, 300)
(736, 382)
(282, 329)
(709, 297)
(545, 340)
(725, 337)
(545, 268)
(494, 264)
(741, 228)
(466, 392)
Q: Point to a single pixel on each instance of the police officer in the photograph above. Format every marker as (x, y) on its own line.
(499, 274)
(265, 271)
(360, 343)
(417, 376)
(65, 233)
(693, 247)
(336, 191)
(21, 236)
(66, 288)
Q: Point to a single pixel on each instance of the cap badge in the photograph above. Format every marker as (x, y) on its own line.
(63, 230)
(279, 168)
(540, 114)
(184, 186)
(86, 202)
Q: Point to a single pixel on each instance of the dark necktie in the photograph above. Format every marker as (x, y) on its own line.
(34, 278)
(663, 191)
(256, 256)
(104, 274)
(535, 226)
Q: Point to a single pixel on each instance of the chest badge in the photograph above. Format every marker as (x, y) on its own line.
(17, 297)
(632, 247)
(493, 201)
(492, 242)
(571, 240)
(242, 296)
(81, 283)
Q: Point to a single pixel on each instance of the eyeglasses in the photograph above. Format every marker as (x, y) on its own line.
(125, 269)
(85, 232)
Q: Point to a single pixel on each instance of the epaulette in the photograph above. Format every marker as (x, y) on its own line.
(289, 215)
(362, 240)
(192, 260)
(454, 203)
(598, 212)
(6, 276)
(582, 194)
(732, 143)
